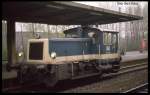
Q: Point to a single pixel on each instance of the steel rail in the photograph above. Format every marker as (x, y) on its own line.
(127, 69)
(131, 66)
(137, 88)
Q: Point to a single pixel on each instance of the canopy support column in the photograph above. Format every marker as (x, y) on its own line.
(11, 45)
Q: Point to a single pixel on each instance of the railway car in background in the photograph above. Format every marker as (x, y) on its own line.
(84, 52)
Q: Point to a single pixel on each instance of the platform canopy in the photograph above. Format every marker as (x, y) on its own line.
(62, 13)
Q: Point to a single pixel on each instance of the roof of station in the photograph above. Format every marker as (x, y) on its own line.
(62, 13)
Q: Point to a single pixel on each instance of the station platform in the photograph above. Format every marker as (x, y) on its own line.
(129, 56)
(134, 55)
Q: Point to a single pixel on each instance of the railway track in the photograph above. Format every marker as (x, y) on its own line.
(143, 88)
(128, 69)
(72, 84)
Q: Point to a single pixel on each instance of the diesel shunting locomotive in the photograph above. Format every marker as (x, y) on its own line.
(85, 51)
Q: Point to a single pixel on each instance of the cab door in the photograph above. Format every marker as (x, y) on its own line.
(114, 43)
(107, 42)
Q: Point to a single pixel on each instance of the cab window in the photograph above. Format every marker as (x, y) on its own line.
(114, 39)
(107, 37)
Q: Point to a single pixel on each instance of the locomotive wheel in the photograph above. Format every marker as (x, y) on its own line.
(26, 74)
(20, 74)
(99, 70)
(50, 79)
(115, 69)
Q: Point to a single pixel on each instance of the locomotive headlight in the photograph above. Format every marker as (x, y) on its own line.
(20, 54)
(53, 55)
